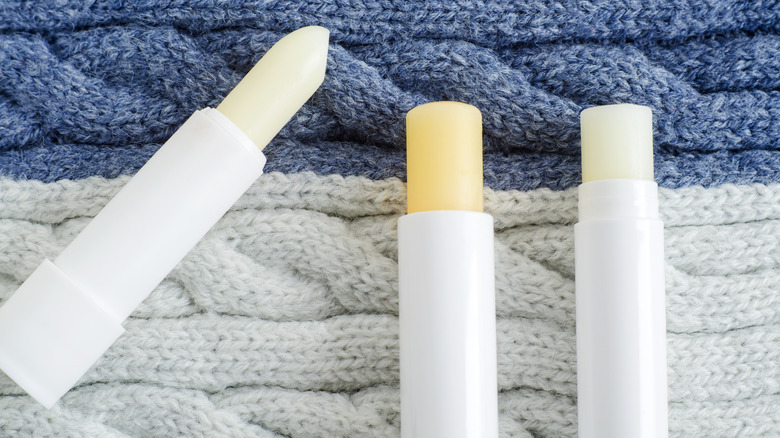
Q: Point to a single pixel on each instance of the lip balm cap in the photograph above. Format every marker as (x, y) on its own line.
(617, 142)
(444, 157)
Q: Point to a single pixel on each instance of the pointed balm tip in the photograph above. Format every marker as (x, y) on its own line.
(279, 84)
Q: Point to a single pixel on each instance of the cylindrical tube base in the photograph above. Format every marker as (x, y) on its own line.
(447, 325)
(70, 311)
(621, 323)
(51, 332)
(162, 212)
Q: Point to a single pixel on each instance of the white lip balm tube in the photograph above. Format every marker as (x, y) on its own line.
(446, 280)
(68, 312)
(619, 279)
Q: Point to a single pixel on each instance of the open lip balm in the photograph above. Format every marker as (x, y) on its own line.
(619, 279)
(446, 285)
(69, 311)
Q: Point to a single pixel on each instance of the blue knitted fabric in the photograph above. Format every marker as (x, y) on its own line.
(283, 320)
(95, 88)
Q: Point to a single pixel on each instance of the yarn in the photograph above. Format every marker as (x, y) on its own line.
(95, 89)
(282, 321)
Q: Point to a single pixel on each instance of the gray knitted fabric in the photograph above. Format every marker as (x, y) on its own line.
(283, 320)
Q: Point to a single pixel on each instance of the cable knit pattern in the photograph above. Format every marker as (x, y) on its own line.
(256, 333)
(282, 321)
(95, 88)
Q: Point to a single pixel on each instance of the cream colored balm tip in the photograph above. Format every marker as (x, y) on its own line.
(617, 142)
(279, 84)
(444, 157)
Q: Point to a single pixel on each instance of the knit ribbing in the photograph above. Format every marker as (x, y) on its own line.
(368, 19)
(283, 320)
(94, 90)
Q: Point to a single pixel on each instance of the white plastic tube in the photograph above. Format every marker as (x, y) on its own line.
(151, 224)
(619, 282)
(447, 313)
(51, 334)
(68, 312)
(448, 326)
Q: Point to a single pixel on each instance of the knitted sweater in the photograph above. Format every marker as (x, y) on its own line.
(283, 320)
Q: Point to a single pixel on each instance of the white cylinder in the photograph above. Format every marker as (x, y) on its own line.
(162, 212)
(67, 313)
(447, 325)
(51, 332)
(621, 319)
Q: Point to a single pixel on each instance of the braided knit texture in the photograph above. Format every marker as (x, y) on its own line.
(94, 88)
(282, 322)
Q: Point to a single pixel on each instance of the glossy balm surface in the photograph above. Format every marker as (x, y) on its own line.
(617, 142)
(278, 85)
(444, 157)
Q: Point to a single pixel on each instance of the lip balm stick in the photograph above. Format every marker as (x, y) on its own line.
(446, 280)
(619, 279)
(68, 312)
